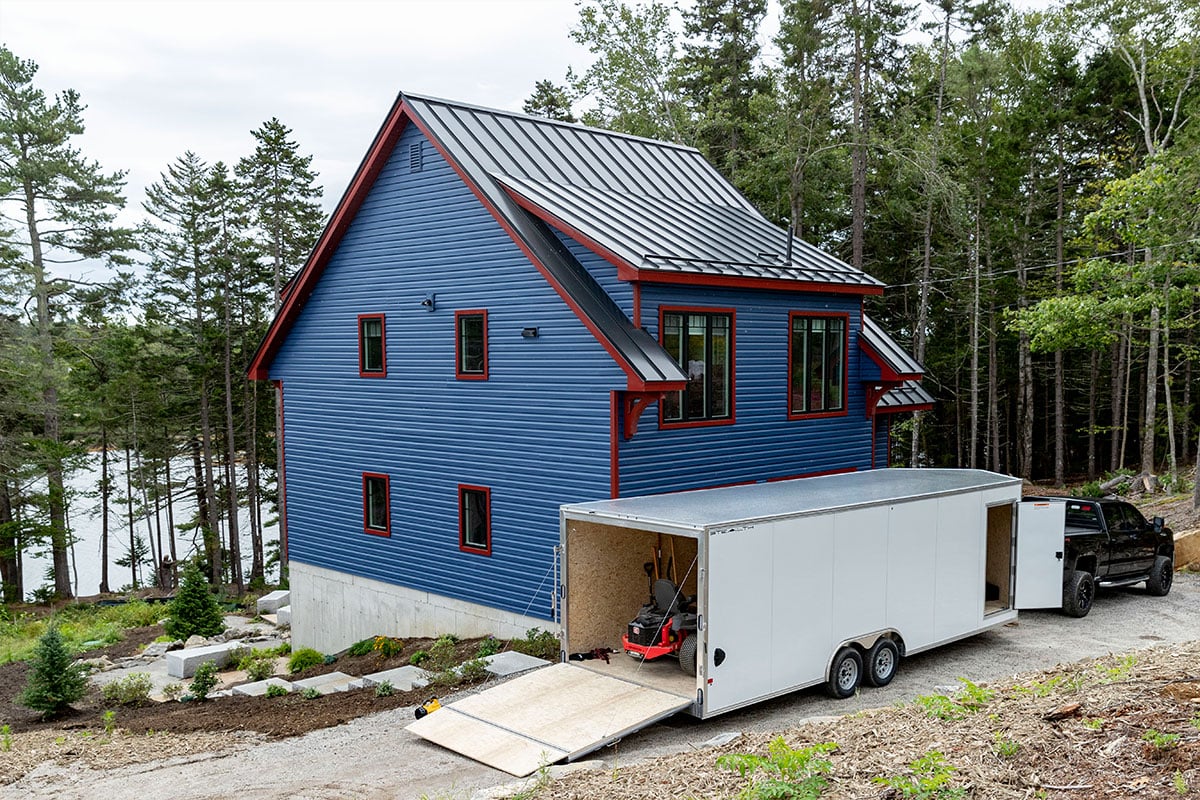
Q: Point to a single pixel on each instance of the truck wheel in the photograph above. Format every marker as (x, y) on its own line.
(1078, 593)
(845, 674)
(1159, 582)
(883, 659)
(687, 655)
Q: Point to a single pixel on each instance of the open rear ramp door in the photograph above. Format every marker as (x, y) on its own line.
(554, 713)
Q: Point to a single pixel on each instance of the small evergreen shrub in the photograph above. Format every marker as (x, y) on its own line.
(55, 681)
(362, 648)
(134, 689)
(275, 690)
(488, 647)
(194, 611)
(418, 658)
(385, 689)
(204, 681)
(310, 694)
(537, 643)
(304, 658)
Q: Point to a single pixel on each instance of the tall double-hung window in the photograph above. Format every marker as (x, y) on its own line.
(817, 361)
(372, 358)
(701, 342)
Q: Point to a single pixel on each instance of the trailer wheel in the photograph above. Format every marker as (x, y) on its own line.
(883, 659)
(687, 655)
(1078, 593)
(1159, 582)
(845, 674)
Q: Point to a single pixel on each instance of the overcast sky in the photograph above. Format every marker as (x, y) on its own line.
(163, 76)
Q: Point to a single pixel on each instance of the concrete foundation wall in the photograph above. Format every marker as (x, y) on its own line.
(332, 610)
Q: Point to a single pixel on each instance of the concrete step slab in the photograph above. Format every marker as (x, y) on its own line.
(183, 663)
(259, 688)
(403, 679)
(326, 684)
(270, 603)
(283, 616)
(511, 662)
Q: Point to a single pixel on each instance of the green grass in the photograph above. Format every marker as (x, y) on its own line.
(78, 624)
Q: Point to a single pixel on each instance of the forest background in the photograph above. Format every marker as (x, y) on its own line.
(1026, 183)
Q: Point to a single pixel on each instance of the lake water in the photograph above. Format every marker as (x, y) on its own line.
(83, 515)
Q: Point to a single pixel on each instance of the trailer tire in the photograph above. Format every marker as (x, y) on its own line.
(845, 673)
(1078, 593)
(687, 655)
(1159, 582)
(883, 659)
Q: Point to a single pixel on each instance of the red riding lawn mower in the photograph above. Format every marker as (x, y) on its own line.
(666, 626)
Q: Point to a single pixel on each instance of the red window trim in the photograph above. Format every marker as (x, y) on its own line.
(458, 373)
(362, 371)
(387, 490)
(663, 424)
(462, 532)
(845, 409)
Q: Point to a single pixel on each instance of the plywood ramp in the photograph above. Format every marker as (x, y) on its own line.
(554, 713)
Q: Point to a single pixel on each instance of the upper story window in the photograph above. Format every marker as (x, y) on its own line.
(475, 519)
(376, 503)
(817, 362)
(372, 356)
(701, 342)
(471, 345)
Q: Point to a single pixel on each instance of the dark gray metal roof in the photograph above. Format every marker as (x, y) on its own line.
(484, 142)
(887, 348)
(733, 505)
(908, 395)
(679, 233)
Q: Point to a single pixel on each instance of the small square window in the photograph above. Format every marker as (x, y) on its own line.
(372, 353)
(470, 346)
(377, 518)
(475, 519)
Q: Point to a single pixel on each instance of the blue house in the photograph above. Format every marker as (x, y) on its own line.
(508, 313)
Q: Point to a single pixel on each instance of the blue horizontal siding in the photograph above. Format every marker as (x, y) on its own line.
(762, 443)
(536, 432)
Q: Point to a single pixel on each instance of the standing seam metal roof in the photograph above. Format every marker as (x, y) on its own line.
(892, 353)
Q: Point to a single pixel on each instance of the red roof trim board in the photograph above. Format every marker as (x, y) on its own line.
(557, 222)
(738, 282)
(885, 369)
(343, 215)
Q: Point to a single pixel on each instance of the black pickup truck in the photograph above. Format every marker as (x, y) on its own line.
(1108, 542)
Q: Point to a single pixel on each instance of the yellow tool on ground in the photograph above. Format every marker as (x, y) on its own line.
(429, 707)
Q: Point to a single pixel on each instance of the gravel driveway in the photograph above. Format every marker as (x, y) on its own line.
(374, 757)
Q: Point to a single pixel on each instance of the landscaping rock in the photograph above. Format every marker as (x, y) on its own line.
(326, 684)
(100, 664)
(183, 663)
(195, 640)
(512, 662)
(270, 603)
(159, 649)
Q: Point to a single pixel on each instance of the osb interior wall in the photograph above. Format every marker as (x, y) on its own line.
(999, 550)
(607, 582)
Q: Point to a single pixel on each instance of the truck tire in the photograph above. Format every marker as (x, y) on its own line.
(883, 659)
(687, 655)
(1159, 582)
(845, 674)
(1078, 593)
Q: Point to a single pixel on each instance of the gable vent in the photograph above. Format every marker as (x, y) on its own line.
(415, 152)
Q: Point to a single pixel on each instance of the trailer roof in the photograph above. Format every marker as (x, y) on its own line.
(708, 508)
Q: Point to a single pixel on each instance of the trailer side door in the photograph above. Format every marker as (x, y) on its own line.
(1039, 561)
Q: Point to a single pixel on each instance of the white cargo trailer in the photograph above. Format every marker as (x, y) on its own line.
(825, 580)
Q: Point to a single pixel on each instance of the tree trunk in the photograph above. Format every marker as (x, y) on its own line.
(10, 568)
(231, 493)
(133, 549)
(1166, 376)
(858, 152)
(253, 501)
(1060, 433)
(972, 439)
(1126, 392)
(1115, 445)
(1093, 383)
(1151, 405)
(212, 539)
(105, 492)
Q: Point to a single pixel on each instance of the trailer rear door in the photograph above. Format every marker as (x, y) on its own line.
(553, 713)
(1039, 562)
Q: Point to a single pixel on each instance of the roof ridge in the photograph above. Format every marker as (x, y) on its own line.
(578, 126)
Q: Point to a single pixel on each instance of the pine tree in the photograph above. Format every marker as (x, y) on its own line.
(549, 101)
(55, 680)
(67, 207)
(194, 611)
